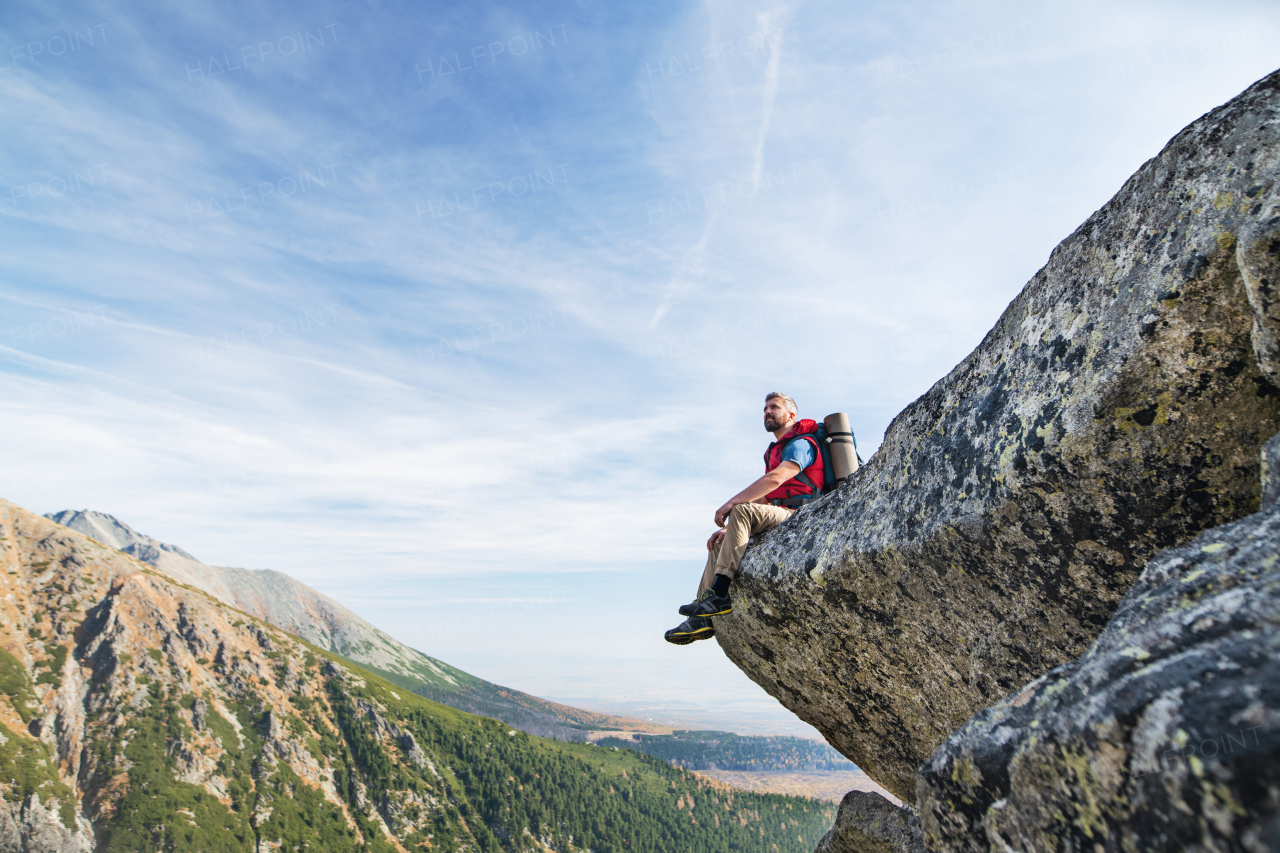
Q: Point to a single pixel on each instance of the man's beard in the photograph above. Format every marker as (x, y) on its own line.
(771, 425)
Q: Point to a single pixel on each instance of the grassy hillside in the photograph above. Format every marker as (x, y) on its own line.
(449, 780)
(514, 707)
(569, 795)
(138, 714)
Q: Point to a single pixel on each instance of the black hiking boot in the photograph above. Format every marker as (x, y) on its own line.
(695, 628)
(708, 604)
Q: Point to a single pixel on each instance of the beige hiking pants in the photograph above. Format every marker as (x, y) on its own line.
(745, 521)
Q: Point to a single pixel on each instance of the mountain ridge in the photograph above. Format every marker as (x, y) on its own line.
(290, 605)
(140, 714)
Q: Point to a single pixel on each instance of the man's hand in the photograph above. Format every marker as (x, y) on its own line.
(714, 542)
(722, 513)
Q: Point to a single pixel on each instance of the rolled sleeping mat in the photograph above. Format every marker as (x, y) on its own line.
(844, 452)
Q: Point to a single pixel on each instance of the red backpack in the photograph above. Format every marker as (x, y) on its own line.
(811, 483)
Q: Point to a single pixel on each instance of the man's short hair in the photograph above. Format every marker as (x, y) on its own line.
(786, 401)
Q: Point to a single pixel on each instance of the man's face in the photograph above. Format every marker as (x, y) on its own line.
(776, 415)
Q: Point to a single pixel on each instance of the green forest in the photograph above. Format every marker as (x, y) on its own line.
(711, 750)
(450, 780)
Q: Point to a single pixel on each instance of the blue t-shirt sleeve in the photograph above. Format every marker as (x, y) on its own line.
(799, 452)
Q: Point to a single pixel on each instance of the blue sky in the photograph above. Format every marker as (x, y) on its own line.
(464, 314)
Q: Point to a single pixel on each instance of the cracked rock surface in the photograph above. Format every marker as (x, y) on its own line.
(1115, 409)
(1165, 735)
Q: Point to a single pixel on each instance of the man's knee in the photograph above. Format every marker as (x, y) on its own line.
(756, 518)
(753, 511)
(762, 517)
(747, 516)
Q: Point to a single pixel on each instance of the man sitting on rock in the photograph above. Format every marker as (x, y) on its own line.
(793, 475)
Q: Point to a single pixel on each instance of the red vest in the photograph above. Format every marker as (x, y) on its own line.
(796, 487)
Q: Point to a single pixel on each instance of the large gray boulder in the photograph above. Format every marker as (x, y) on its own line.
(868, 823)
(1115, 409)
(1164, 736)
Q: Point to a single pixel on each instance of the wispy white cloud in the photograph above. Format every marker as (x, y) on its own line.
(392, 369)
(772, 25)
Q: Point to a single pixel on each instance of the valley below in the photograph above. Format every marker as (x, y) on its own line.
(826, 785)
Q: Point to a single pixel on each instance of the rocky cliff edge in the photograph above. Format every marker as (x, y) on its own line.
(1115, 409)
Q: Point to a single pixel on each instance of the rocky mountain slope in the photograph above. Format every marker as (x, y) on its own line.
(1115, 409)
(138, 713)
(292, 606)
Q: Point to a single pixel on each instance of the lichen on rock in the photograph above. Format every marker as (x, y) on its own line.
(1114, 410)
(1165, 735)
(868, 823)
